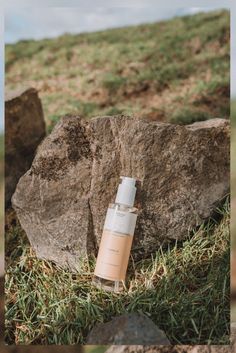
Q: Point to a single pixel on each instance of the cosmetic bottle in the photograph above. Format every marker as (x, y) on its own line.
(114, 251)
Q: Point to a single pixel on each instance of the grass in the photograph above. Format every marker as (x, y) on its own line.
(188, 116)
(113, 82)
(139, 69)
(183, 288)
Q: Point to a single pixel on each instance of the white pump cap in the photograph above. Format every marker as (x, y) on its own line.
(126, 191)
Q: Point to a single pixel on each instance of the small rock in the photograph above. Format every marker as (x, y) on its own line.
(134, 329)
(183, 174)
(178, 348)
(25, 128)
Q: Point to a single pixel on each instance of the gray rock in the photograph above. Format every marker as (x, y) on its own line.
(134, 329)
(25, 128)
(178, 349)
(183, 174)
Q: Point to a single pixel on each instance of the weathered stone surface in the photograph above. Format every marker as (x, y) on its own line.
(132, 329)
(61, 201)
(25, 128)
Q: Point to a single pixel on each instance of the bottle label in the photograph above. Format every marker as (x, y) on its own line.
(115, 246)
(113, 256)
(120, 221)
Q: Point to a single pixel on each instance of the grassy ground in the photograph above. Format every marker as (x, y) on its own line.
(176, 70)
(184, 289)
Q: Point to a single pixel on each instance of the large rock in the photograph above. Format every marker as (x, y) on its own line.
(183, 174)
(25, 128)
(127, 329)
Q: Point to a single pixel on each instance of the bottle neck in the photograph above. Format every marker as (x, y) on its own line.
(125, 195)
(122, 207)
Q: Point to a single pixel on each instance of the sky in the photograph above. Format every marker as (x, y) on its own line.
(26, 19)
(38, 23)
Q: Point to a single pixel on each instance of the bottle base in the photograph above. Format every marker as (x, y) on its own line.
(108, 285)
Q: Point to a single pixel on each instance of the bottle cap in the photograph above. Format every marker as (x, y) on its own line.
(126, 191)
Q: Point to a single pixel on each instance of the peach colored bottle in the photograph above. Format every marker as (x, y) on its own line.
(117, 237)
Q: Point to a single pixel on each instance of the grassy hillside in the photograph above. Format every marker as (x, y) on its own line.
(175, 70)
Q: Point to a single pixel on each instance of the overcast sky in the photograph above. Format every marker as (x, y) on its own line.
(25, 19)
(62, 16)
(40, 23)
